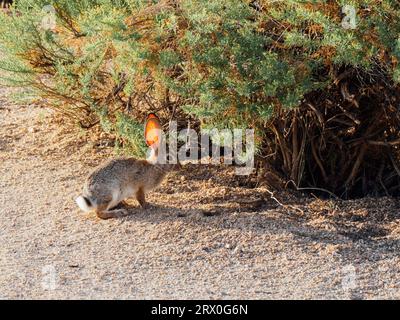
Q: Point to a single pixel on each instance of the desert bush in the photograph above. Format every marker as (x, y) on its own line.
(322, 95)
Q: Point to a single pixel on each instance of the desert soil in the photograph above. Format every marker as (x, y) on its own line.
(205, 236)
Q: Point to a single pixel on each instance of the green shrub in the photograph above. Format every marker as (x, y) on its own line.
(322, 98)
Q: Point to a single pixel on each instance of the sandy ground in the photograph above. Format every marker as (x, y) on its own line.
(204, 237)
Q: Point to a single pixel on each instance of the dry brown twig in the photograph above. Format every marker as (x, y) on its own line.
(283, 205)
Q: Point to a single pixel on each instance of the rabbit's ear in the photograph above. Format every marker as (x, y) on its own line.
(152, 130)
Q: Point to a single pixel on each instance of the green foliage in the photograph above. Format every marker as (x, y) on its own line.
(130, 132)
(226, 63)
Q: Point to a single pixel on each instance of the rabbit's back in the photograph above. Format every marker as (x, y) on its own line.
(115, 178)
(117, 172)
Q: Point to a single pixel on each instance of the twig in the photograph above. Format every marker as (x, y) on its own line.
(283, 205)
(384, 143)
(319, 115)
(313, 188)
(357, 164)
(319, 163)
(394, 165)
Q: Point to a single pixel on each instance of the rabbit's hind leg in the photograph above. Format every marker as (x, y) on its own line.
(104, 212)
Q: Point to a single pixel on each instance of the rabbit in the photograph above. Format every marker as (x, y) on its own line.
(122, 178)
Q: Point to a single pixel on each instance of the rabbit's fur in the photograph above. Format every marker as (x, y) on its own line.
(119, 179)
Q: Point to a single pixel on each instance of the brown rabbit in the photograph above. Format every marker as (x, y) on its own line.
(122, 178)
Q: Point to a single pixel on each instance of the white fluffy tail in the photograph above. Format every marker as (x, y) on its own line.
(83, 203)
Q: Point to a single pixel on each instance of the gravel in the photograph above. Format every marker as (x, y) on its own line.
(202, 238)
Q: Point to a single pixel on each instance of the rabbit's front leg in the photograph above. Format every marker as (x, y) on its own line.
(140, 197)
